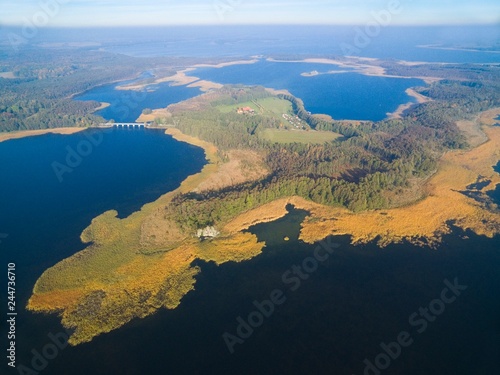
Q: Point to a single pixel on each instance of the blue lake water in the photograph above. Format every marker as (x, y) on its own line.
(357, 299)
(127, 105)
(498, 123)
(343, 96)
(495, 194)
(337, 317)
(44, 214)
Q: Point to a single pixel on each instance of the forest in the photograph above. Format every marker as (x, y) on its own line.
(45, 81)
(368, 168)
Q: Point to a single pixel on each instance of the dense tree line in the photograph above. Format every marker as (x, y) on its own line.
(356, 172)
(40, 95)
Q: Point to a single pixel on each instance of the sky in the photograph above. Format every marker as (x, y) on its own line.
(77, 13)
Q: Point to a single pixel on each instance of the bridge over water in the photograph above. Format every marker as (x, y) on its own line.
(131, 125)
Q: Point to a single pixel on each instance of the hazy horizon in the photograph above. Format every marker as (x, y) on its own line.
(98, 13)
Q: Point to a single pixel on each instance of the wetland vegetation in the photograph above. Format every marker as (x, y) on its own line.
(346, 184)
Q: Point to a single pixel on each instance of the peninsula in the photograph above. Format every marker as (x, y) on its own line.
(398, 179)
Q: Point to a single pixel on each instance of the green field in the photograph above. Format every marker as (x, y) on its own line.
(268, 106)
(298, 136)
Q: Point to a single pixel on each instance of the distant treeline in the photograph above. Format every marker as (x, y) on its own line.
(40, 95)
(488, 73)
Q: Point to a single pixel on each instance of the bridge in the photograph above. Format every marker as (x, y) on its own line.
(123, 125)
(130, 125)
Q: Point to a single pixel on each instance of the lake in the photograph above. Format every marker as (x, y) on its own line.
(340, 313)
(127, 105)
(338, 317)
(350, 96)
(495, 194)
(44, 215)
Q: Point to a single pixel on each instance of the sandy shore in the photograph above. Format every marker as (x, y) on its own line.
(7, 75)
(430, 46)
(222, 65)
(315, 73)
(178, 79)
(181, 78)
(102, 106)
(403, 107)
(31, 133)
(357, 65)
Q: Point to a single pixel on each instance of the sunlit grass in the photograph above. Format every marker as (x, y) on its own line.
(125, 274)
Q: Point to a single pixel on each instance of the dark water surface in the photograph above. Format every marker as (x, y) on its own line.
(333, 317)
(495, 194)
(44, 215)
(356, 300)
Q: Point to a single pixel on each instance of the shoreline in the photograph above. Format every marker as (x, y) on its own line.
(420, 99)
(229, 63)
(431, 46)
(423, 222)
(180, 78)
(8, 75)
(468, 163)
(102, 106)
(357, 67)
(73, 96)
(32, 133)
(149, 239)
